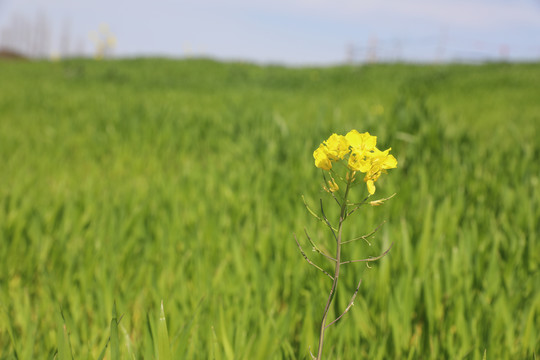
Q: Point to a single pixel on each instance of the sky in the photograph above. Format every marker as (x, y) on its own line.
(289, 32)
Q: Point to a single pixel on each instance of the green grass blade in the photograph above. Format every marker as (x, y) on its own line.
(5, 320)
(104, 351)
(115, 343)
(28, 348)
(229, 352)
(64, 351)
(128, 342)
(215, 352)
(164, 347)
(150, 337)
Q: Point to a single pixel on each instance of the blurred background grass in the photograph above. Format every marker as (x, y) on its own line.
(140, 180)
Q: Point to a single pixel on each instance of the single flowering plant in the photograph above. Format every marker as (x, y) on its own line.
(356, 153)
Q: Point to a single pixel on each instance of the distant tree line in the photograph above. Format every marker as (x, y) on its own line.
(32, 38)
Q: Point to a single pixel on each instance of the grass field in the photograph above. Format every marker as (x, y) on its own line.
(136, 181)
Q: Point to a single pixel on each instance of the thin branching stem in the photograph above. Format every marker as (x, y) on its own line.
(356, 208)
(328, 222)
(313, 213)
(373, 203)
(337, 236)
(315, 248)
(351, 303)
(335, 198)
(369, 259)
(331, 192)
(363, 202)
(365, 237)
(309, 261)
(310, 353)
(357, 205)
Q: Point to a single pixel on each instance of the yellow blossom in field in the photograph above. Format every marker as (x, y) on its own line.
(380, 161)
(361, 145)
(359, 161)
(337, 147)
(363, 156)
(333, 149)
(321, 158)
(361, 142)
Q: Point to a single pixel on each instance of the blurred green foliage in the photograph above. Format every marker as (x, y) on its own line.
(133, 181)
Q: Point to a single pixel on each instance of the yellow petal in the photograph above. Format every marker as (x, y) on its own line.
(323, 163)
(369, 141)
(358, 161)
(337, 147)
(361, 141)
(390, 162)
(371, 187)
(321, 158)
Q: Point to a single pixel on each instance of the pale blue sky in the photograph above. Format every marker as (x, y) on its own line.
(292, 32)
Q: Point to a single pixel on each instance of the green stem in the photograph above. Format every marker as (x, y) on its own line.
(342, 217)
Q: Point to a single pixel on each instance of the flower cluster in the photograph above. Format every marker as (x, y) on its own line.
(361, 154)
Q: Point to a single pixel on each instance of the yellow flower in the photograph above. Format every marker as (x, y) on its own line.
(333, 149)
(321, 158)
(359, 161)
(361, 147)
(363, 156)
(380, 162)
(361, 142)
(337, 147)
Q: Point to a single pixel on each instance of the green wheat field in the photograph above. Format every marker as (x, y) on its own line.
(128, 183)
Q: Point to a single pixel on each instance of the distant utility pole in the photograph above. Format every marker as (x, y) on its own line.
(504, 52)
(349, 54)
(372, 50)
(26, 38)
(65, 40)
(441, 47)
(397, 50)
